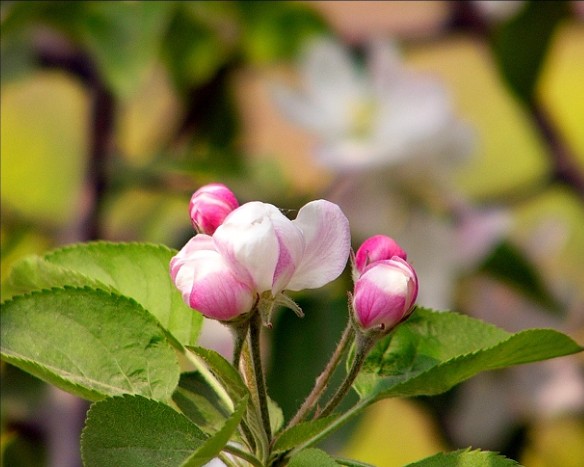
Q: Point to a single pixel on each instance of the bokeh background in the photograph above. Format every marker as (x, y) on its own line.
(113, 113)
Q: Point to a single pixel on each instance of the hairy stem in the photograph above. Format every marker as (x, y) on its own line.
(323, 379)
(250, 458)
(253, 418)
(239, 328)
(262, 395)
(363, 346)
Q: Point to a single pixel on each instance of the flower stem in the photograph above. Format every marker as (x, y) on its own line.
(323, 379)
(254, 337)
(226, 460)
(239, 329)
(364, 343)
(254, 422)
(243, 455)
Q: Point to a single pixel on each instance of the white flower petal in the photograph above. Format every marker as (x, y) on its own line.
(328, 72)
(302, 110)
(384, 115)
(291, 250)
(327, 243)
(198, 243)
(384, 63)
(247, 239)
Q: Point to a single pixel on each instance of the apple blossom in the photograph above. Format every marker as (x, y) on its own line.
(257, 252)
(385, 115)
(275, 253)
(209, 206)
(385, 294)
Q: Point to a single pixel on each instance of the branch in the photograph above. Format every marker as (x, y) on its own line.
(54, 52)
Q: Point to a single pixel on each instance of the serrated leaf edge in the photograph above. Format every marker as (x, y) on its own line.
(170, 339)
(94, 283)
(106, 243)
(124, 396)
(485, 349)
(468, 450)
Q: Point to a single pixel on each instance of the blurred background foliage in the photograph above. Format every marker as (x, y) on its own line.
(113, 113)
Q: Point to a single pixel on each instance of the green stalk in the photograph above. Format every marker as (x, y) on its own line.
(239, 328)
(254, 335)
(364, 343)
(323, 379)
(254, 418)
(250, 458)
(226, 460)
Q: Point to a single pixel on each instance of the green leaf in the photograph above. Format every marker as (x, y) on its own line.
(509, 265)
(301, 434)
(434, 351)
(521, 43)
(133, 431)
(214, 445)
(124, 38)
(276, 415)
(312, 457)
(277, 30)
(465, 458)
(196, 45)
(88, 342)
(137, 270)
(223, 370)
(231, 380)
(197, 400)
(35, 273)
(17, 16)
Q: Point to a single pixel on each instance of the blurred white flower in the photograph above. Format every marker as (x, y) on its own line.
(498, 10)
(384, 115)
(393, 138)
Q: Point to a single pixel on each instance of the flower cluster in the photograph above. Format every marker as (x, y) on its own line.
(256, 252)
(243, 258)
(249, 253)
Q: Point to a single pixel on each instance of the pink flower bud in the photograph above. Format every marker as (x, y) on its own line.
(377, 248)
(385, 294)
(209, 206)
(208, 283)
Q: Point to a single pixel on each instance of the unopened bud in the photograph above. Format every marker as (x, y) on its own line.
(209, 206)
(385, 294)
(376, 248)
